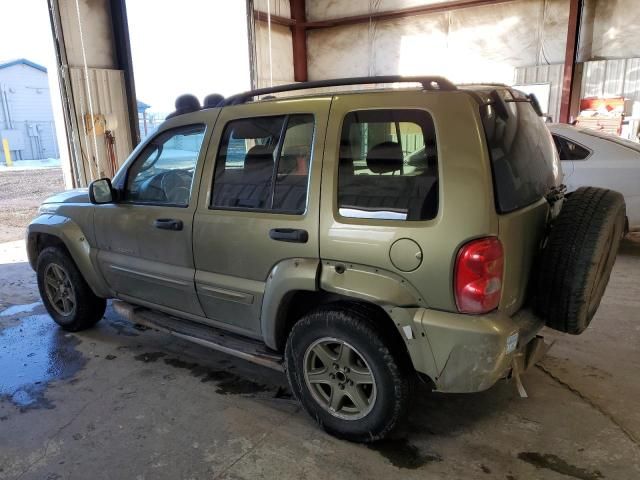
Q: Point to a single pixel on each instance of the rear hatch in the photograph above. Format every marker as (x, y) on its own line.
(525, 169)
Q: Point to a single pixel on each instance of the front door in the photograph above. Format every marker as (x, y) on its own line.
(145, 239)
(260, 207)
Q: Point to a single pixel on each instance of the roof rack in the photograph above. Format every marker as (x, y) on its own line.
(428, 83)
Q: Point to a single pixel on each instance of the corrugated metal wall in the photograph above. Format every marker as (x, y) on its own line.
(600, 78)
(102, 96)
(544, 74)
(612, 78)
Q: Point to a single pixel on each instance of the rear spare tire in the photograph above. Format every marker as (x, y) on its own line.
(578, 257)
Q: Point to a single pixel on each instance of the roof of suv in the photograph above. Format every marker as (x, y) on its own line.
(189, 103)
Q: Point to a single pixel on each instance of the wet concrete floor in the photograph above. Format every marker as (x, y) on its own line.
(120, 401)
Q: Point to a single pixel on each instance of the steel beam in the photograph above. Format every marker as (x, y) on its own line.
(571, 50)
(277, 19)
(299, 40)
(402, 13)
(122, 46)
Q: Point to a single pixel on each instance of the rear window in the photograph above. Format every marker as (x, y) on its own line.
(388, 165)
(521, 150)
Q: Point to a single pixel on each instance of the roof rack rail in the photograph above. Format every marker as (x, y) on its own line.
(428, 83)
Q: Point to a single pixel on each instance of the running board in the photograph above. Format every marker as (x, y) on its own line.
(252, 350)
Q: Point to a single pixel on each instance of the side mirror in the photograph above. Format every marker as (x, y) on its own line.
(101, 191)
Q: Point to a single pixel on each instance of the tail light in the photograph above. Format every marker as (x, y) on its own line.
(478, 275)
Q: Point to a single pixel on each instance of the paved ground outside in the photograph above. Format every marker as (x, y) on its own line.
(21, 192)
(121, 401)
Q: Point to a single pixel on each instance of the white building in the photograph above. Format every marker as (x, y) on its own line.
(26, 117)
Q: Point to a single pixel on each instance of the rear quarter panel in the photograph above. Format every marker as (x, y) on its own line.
(466, 205)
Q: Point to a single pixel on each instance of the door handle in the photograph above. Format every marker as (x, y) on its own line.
(293, 235)
(168, 224)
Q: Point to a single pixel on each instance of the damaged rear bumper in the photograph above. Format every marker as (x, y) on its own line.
(471, 353)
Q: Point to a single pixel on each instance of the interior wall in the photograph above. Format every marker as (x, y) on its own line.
(92, 37)
(274, 66)
(276, 69)
(93, 89)
(611, 29)
(474, 44)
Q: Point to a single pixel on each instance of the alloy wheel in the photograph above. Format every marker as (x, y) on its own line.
(339, 378)
(59, 289)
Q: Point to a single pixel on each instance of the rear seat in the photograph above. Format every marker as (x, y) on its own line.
(247, 187)
(415, 195)
(250, 187)
(291, 193)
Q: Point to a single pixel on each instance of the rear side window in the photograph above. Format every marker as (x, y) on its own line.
(569, 150)
(263, 164)
(522, 153)
(388, 166)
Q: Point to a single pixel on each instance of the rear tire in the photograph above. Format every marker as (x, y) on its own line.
(578, 257)
(346, 373)
(65, 293)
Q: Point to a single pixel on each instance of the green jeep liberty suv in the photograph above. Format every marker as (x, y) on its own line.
(358, 240)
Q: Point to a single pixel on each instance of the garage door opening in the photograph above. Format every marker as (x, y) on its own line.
(194, 46)
(30, 116)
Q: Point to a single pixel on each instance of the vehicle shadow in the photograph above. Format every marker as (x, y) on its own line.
(456, 413)
(630, 245)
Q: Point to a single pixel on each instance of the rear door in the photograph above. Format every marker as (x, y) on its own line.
(258, 205)
(384, 230)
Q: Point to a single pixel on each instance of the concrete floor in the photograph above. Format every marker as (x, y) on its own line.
(121, 402)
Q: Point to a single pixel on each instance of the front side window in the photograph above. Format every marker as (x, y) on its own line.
(388, 166)
(568, 150)
(263, 164)
(163, 173)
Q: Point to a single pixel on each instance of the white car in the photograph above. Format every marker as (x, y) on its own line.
(593, 158)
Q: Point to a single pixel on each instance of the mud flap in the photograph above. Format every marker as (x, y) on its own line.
(526, 358)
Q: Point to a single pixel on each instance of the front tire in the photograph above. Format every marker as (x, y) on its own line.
(65, 293)
(346, 373)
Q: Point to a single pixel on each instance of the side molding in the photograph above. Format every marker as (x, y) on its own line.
(287, 276)
(76, 242)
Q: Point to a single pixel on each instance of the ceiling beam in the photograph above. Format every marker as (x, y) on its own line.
(276, 19)
(385, 15)
(402, 13)
(571, 50)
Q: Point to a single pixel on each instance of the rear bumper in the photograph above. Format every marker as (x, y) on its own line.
(471, 353)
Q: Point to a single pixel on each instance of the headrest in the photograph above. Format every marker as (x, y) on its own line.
(213, 100)
(186, 103)
(259, 156)
(385, 157)
(257, 128)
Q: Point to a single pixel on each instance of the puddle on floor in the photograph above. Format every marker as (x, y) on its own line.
(403, 454)
(32, 354)
(16, 309)
(557, 464)
(227, 383)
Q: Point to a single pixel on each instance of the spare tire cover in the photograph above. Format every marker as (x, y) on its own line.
(578, 257)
